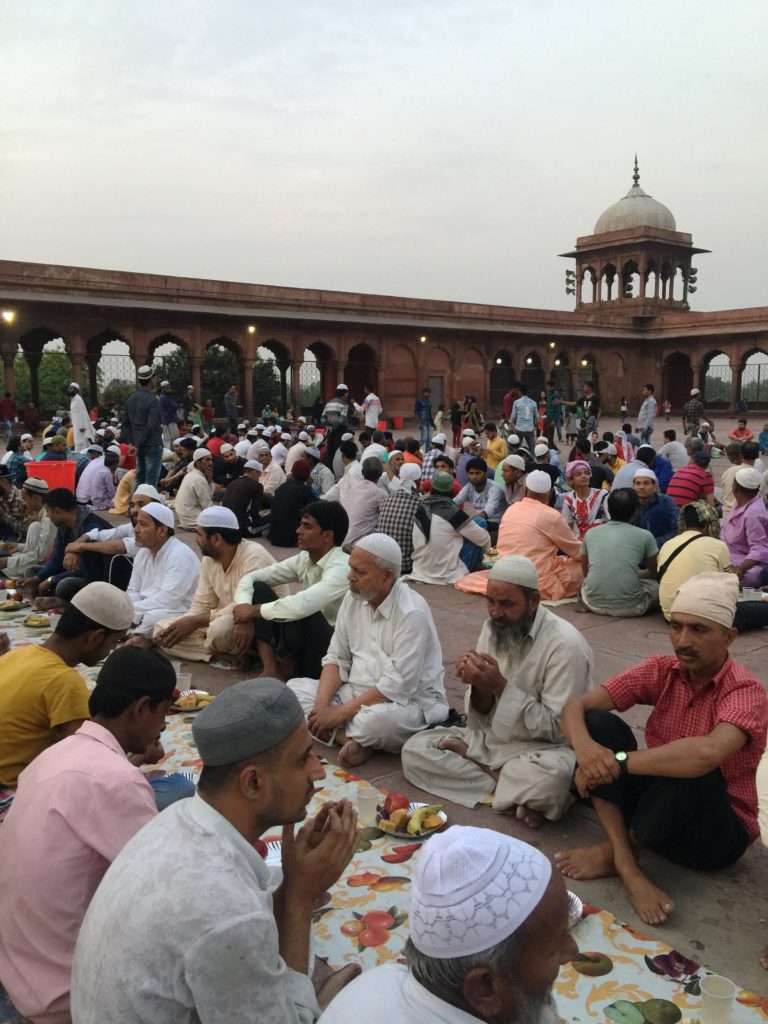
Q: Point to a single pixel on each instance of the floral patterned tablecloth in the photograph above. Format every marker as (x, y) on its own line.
(364, 917)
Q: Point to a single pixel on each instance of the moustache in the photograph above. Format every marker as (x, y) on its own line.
(686, 652)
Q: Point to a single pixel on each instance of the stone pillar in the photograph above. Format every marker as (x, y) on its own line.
(93, 368)
(296, 385)
(33, 360)
(247, 392)
(196, 363)
(10, 375)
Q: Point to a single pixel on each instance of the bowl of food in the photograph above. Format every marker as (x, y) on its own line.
(36, 620)
(415, 821)
(191, 701)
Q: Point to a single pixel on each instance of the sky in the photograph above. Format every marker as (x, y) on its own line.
(445, 149)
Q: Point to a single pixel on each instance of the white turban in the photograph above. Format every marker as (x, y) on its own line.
(160, 513)
(382, 546)
(515, 569)
(410, 473)
(472, 888)
(710, 595)
(218, 516)
(539, 482)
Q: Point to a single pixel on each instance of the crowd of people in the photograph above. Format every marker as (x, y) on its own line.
(344, 652)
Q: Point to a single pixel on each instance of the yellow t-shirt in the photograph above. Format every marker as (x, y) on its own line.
(496, 452)
(707, 554)
(38, 691)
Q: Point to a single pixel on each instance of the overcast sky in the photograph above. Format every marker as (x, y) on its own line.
(438, 148)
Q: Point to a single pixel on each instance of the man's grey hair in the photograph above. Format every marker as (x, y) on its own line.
(694, 444)
(444, 978)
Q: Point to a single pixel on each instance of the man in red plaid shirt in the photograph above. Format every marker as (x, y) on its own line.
(691, 796)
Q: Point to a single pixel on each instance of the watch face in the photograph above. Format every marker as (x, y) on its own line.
(621, 756)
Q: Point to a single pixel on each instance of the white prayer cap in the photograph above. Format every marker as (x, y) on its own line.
(611, 450)
(472, 888)
(647, 473)
(146, 373)
(513, 439)
(72, 384)
(347, 437)
(539, 482)
(160, 513)
(261, 446)
(314, 452)
(96, 448)
(253, 464)
(468, 432)
(303, 436)
(749, 478)
(285, 436)
(342, 387)
(385, 547)
(302, 419)
(410, 473)
(253, 432)
(439, 439)
(225, 449)
(148, 491)
(35, 485)
(695, 391)
(201, 453)
(242, 426)
(516, 461)
(115, 449)
(217, 515)
(107, 605)
(467, 442)
(165, 383)
(649, 446)
(541, 449)
(542, 439)
(515, 569)
(269, 431)
(26, 437)
(710, 595)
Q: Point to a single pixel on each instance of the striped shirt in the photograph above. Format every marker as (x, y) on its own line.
(691, 483)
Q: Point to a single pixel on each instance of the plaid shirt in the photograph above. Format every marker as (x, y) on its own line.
(396, 520)
(14, 517)
(428, 466)
(692, 411)
(734, 696)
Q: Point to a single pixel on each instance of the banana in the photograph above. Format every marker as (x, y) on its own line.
(416, 819)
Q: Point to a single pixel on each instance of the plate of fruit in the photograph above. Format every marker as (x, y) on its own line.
(37, 620)
(404, 819)
(191, 701)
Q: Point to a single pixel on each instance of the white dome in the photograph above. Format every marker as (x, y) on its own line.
(636, 210)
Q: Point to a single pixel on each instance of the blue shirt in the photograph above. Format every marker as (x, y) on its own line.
(525, 413)
(660, 517)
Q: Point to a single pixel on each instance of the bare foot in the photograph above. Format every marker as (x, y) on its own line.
(587, 862)
(44, 604)
(243, 662)
(456, 746)
(653, 905)
(533, 819)
(353, 754)
(326, 988)
(764, 959)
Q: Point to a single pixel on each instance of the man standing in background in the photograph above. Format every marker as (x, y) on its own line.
(647, 414)
(82, 425)
(423, 410)
(371, 408)
(141, 428)
(169, 414)
(230, 408)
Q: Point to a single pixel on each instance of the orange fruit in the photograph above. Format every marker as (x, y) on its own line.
(373, 937)
(378, 919)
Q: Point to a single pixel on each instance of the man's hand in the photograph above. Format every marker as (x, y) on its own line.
(315, 858)
(43, 586)
(151, 755)
(482, 672)
(322, 721)
(243, 613)
(30, 582)
(75, 547)
(243, 637)
(597, 766)
(71, 563)
(9, 547)
(176, 632)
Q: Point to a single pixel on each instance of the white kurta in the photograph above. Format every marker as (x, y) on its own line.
(437, 560)
(148, 953)
(391, 995)
(521, 736)
(36, 548)
(82, 424)
(295, 452)
(193, 496)
(163, 586)
(395, 648)
(272, 477)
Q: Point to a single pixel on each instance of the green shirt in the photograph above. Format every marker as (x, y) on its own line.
(615, 550)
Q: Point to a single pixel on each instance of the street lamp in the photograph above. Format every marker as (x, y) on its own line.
(251, 329)
(9, 315)
(423, 339)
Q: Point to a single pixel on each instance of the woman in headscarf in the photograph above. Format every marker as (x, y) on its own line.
(696, 549)
(584, 506)
(624, 447)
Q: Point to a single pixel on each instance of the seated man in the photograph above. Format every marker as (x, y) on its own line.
(119, 542)
(96, 486)
(165, 573)
(439, 532)
(397, 513)
(611, 556)
(83, 799)
(233, 956)
(26, 558)
(745, 531)
(364, 500)
(288, 504)
(71, 521)
(674, 450)
(195, 491)
(533, 529)
(321, 477)
(512, 753)
(482, 495)
(14, 519)
(272, 475)
(656, 512)
(172, 476)
(244, 496)
(465, 960)
(690, 797)
(382, 678)
(696, 549)
(207, 628)
(302, 624)
(693, 482)
(42, 696)
(513, 478)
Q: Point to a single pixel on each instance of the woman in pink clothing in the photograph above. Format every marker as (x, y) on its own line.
(584, 506)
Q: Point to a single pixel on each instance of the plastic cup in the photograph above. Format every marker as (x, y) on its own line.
(184, 680)
(176, 667)
(367, 804)
(717, 996)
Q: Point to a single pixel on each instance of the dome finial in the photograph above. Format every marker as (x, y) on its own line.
(636, 175)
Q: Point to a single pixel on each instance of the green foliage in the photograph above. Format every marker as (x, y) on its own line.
(116, 393)
(176, 369)
(54, 374)
(266, 385)
(217, 374)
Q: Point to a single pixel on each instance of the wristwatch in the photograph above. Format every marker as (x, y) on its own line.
(622, 760)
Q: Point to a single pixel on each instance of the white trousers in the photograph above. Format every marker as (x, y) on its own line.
(380, 726)
(203, 644)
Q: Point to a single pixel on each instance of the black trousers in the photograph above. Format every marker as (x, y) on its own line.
(690, 822)
(750, 615)
(306, 640)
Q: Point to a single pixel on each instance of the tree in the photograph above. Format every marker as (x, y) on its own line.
(175, 368)
(54, 375)
(266, 384)
(217, 374)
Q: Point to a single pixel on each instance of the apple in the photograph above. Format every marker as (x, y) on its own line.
(395, 802)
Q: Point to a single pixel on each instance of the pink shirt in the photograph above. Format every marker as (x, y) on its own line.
(537, 531)
(77, 805)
